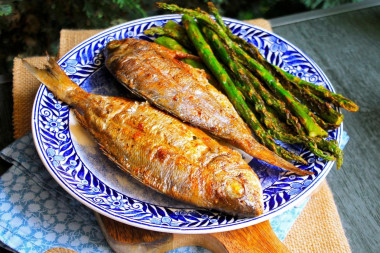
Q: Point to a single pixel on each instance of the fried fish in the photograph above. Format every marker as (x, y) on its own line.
(159, 150)
(154, 72)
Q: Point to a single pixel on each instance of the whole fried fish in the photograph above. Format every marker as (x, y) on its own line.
(154, 72)
(159, 150)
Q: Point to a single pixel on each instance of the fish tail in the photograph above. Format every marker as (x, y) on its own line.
(268, 156)
(56, 80)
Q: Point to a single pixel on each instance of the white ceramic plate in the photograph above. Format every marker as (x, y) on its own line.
(74, 160)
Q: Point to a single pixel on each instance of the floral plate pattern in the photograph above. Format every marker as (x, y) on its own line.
(56, 146)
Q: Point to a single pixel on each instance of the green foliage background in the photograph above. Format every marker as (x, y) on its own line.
(32, 27)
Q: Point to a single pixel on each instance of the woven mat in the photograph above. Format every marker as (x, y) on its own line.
(317, 229)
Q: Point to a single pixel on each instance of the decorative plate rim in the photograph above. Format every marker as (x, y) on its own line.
(185, 230)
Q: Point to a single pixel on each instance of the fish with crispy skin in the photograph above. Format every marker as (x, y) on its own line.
(159, 150)
(154, 72)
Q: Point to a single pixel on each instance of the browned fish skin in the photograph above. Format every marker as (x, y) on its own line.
(153, 72)
(161, 151)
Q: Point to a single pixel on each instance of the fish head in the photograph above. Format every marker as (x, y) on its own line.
(120, 46)
(116, 50)
(236, 189)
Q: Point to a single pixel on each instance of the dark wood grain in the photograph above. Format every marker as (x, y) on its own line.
(347, 48)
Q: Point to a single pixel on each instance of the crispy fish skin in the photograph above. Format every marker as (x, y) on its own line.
(154, 72)
(160, 151)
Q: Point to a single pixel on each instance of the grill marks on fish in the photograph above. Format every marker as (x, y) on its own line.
(160, 151)
(154, 73)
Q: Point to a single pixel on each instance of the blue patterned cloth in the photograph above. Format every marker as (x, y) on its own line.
(36, 214)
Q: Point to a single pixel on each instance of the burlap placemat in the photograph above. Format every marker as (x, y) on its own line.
(317, 229)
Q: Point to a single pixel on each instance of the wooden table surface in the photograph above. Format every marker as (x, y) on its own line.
(346, 46)
(345, 43)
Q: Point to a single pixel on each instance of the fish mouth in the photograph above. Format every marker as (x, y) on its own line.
(241, 194)
(250, 204)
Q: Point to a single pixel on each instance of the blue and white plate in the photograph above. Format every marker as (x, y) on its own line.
(74, 160)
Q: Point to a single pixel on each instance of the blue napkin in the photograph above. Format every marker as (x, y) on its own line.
(36, 214)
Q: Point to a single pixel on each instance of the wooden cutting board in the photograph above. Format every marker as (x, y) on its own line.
(125, 238)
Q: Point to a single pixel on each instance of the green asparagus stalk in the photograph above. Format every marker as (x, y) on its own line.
(273, 83)
(317, 105)
(324, 93)
(325, 125)
(178, 35)
(296, 107)
(314, 145)
(317, 90)
(214, 11)
(242, 81)
(171, 44)
(249, 80)
(236, 98)
(174, 26)
(174, 45)
(277, 105)
(281, 122)
(311, 143)
(323, 109)
(251, 95)
(333, 147)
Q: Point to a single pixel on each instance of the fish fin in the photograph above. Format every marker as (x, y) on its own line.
(176, 54)
(260, 152)
(181, 55)
(299, 171)
(81, 119)
(55, 79)
(289, 166)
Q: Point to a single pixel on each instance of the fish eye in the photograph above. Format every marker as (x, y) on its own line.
(234, 188)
